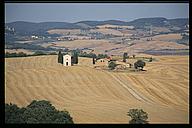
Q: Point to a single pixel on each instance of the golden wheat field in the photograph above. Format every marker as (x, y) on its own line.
(96, 96)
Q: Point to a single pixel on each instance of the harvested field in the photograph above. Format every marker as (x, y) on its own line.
(99, 46)
(96, 96)
(167, 37)
(64, 31)
(108, 31)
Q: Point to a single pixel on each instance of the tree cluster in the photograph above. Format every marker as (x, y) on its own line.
(112, 65)
(139, 64)
(36, 112)
(138, 116)
(100, 56)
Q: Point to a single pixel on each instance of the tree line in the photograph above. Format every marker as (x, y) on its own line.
(22, 54)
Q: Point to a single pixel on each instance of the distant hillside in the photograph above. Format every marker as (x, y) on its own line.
(180, 22)
(158, 22)
(111, 22)
(27, 28)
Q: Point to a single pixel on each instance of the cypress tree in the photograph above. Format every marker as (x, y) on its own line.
(93, 60)
(76, 54)
(75, 57)
(125, 56)
(94, 56)
(134, 56)
(60, 57)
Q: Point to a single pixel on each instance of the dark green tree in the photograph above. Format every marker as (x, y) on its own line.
(75, 57)
(125, 56)
(36, 112)
(134, 56)
(139, 64)
(130, 65)
(112, 65)
(60, 57)
(13, 114)
(138, 116)
(93, 60)
(94, 57)
(150, 59)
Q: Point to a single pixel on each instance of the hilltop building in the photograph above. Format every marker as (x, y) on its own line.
(67, 60)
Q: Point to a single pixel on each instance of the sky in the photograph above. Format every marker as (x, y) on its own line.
(74, 12)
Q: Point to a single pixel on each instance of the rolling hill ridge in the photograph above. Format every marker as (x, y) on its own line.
(22, 27)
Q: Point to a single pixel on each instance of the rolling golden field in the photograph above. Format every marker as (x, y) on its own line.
(96, 96)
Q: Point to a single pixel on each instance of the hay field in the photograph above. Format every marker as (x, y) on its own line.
(78, 31)
(95, 96)
(107, 31)
(141, 46)
(167, 37)
(64, 31)
(99, 46)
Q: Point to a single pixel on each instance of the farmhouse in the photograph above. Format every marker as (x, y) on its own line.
(103, 61)
(67, 60)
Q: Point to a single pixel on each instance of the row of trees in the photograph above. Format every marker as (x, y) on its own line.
(92, 55)
(22, 54)
(89, 55)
